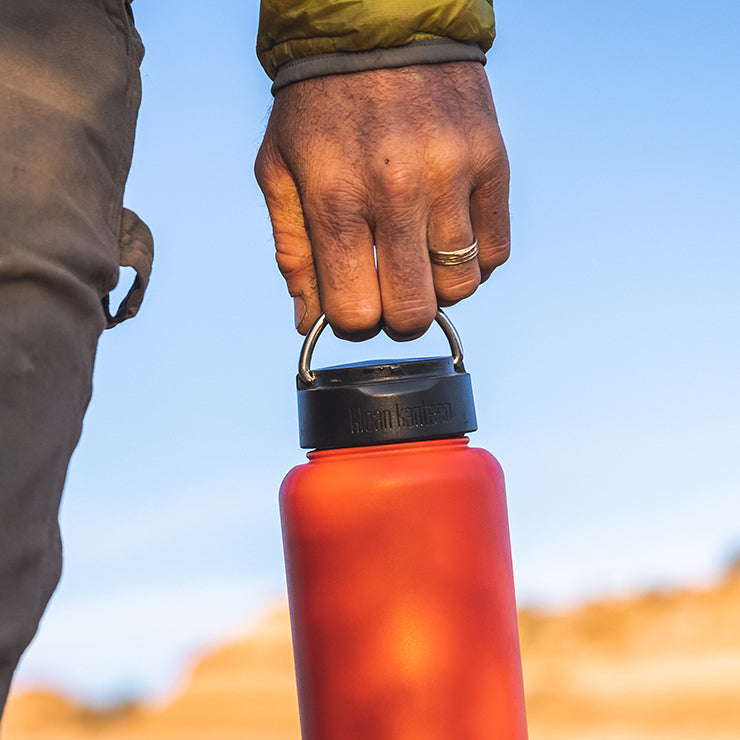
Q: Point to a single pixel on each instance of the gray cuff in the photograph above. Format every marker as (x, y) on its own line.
(427, 51)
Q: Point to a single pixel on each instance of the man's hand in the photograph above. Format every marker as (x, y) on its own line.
(405, 160)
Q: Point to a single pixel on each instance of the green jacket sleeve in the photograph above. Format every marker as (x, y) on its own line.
(310, 37)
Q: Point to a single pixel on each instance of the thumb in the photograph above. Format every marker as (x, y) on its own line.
(292, 245)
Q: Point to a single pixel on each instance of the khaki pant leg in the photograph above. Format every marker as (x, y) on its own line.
(69, 94)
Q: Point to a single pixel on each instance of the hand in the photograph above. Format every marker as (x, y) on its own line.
(405, 160)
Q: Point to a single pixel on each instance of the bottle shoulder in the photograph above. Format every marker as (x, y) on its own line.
(428, 459)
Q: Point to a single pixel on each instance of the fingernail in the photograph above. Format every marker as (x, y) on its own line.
(299, 307)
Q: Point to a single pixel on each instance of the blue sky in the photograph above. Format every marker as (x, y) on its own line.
(604, 354)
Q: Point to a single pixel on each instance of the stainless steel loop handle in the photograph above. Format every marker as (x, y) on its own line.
(304, 362)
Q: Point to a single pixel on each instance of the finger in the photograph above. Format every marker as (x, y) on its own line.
(292, 245)
(489, 214)
(342, 245)
(404, 274)
(449, 230)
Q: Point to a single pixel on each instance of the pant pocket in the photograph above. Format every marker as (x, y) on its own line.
(136, 249)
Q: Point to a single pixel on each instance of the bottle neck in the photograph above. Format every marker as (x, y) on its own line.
(393, 448)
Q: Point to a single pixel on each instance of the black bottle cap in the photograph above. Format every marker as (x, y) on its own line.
(381, 402)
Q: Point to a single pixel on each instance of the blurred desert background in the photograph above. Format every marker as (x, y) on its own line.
(663, 665)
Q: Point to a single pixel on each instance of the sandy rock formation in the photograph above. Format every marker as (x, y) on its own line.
(662, 666)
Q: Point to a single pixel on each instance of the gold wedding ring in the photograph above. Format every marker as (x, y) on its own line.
(457, 257)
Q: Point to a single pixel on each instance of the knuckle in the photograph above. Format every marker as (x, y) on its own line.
(260, 165)
(293, 264)
(449, 158)
(352, 318)
(336, 205)
(265, 166)
(409, 319)
(397, 181)
(495, 255)
(451, 290)
(492, 170)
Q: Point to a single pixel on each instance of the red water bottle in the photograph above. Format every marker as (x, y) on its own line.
(398, 559)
